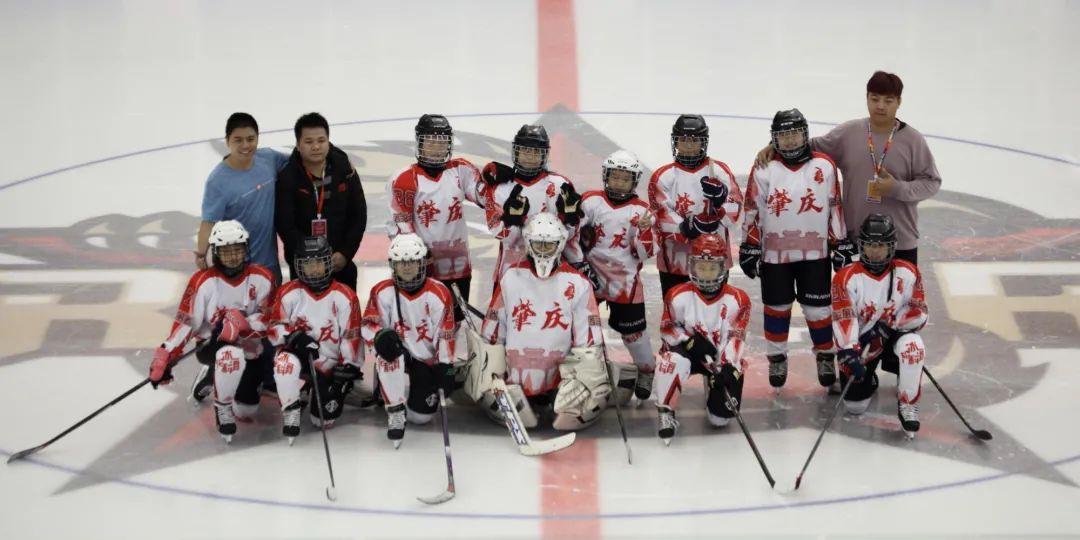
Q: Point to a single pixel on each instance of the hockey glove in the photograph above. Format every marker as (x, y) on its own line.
(515, 209)
(729, 378)
(444, 377)
(233, 325)
(388, 345)
(851, 363)
(887, 332)
(343, 377)
(496, 173)
(161, 367)
(586, 270)
(715, 193)
(587, 237)
(568, 206)
(695, 226)
(750, 259)
(302, 345)
(698, 348)
(843, 252)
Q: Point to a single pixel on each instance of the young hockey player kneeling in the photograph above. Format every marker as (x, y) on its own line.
(704, 332)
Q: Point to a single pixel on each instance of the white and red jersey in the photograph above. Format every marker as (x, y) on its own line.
(433, 209)
(539, 321)
(622, 247)
(794, 213)
(210, 293)
(426, 323)
(722, 319)
(331, 317)
(542, 192)
(674, 195)
(860, 300)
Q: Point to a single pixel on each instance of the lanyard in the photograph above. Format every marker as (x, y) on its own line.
(870, 144)
(320, 188)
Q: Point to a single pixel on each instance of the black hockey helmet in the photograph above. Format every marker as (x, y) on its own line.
(534, 137)
(877, 229)
(309, 253)
(787, 121)
(436, 129)
(692, 126)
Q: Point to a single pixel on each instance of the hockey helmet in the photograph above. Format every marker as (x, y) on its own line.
(545, 238)
(531, 146)
(408, 261)
(787, 125)
(434, 140)
(229, 246)
(692, 131)
(312, 262)
(708, 263)
(877, 243)
(621, 160)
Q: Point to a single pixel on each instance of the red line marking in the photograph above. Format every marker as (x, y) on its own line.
(557, 54)
(568, 485)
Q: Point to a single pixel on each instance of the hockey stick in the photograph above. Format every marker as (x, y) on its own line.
(836, 409)
(23, 453)
(509, 412)
(980, 434)
(618, 409)
(735, 409)
(450, 489)
(331, 490)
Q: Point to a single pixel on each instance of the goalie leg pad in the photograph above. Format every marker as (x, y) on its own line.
(584, 388)
(625, 376)
(517, 397)
(485, 360)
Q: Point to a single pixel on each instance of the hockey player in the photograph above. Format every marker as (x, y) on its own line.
(409, 325)
(878, 308)
(516, 194)
(704, 332)
(617, 238)
(543, 314)
(691, 196)
(221, 310)
(314, 320)
(790, 246)
(428, 198)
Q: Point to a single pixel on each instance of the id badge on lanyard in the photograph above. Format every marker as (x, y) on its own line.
(318, 226)
(874, 192)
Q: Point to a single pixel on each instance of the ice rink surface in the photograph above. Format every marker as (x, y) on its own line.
(114, 115)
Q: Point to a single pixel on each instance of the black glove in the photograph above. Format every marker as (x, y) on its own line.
(388, 345)
(697, 348)
(587, 270)
(695, 226)
(843, 252)
(515, 209)
(587, 237)
(343, 377)
(568, 206)
(302, 345)
(729, 377)
(496, 173)
(715, 191)
(750, 259)
(851, 363)
(886, 332)
(444, 377)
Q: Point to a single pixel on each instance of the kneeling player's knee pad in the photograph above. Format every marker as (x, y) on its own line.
(717, 405)
(315, 421)
(332, 401)
(423, 397)
(517, 399)
(625, 375)
(418, 418)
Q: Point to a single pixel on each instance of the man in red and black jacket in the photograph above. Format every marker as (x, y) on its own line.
(318, 193)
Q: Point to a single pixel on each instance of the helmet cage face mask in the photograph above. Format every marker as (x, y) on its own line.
(430, 149)
(222, 235)
(224, 254)
(877, 266)
(689, 158)
(791, 154)
(708, 273)
(620, 195)
(314, 270)
(545, 238)
(536, 158)
(409, 275)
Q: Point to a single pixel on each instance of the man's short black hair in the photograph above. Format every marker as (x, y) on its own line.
(240, 120)
(310, 120)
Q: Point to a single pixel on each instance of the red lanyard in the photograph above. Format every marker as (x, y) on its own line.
(870, 144)
(321, 189)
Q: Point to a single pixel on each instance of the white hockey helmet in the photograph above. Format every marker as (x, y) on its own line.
(621, 160)
(229, 233)
(408, 261)
(545, 238)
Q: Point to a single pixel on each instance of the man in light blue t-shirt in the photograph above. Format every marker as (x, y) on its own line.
(241, 187)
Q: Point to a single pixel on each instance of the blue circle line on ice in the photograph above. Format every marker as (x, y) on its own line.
(473, 115)
(559, 517)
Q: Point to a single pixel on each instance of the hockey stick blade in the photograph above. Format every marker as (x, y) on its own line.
(438, 499)
(539, 448)
(980, 434)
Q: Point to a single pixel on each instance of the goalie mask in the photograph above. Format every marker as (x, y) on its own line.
(312, 262)
(877, 243)
(228, 244)
(708, 263)
(621, 172)
(531, 146)
(791, 137)
(408, 261)
(545, 238)
(434, 140)
(689, 140)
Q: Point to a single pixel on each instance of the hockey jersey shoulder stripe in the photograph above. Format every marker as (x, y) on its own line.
(439, 289)
(824, 156)
(260, 270)
(660, 172)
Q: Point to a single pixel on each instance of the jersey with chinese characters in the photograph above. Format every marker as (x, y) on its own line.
(621, 246)
(794, 213)
(722, 319)
(425, 324)
(675, 195)
(433, 209)
(331, 317)
(539, 321)
(860, 300)
(542, 193)
(210, 293)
